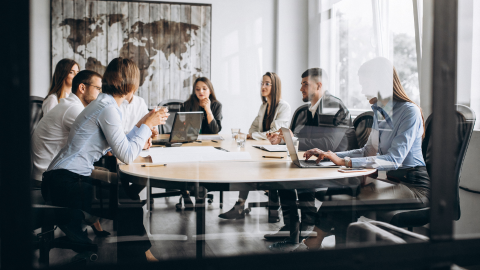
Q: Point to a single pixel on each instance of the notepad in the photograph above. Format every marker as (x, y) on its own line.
(210, 137)
(272, 148)
(192, 154)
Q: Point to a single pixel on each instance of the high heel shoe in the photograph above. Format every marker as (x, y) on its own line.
(187, 201)
(100, 233)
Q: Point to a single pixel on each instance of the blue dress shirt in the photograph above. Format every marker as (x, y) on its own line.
(97, 129)
(399, 141)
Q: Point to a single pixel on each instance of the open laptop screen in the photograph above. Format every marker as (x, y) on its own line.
(186, 127)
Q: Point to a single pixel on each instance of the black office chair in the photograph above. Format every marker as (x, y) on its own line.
(36, 112)
(173, 105)
(419, 217)
(363, 126)
(48, 218)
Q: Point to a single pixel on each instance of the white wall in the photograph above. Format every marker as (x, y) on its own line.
(292, 48)
(39, 47)
(243, 49)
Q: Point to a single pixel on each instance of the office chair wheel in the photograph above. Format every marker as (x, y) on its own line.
(210, 201)
(221, 205)
(248, 210)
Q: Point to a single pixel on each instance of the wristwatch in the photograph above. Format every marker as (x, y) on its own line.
(348, 162)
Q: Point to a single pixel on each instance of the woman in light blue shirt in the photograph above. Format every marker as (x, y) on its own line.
(394, 145)
(96, 130)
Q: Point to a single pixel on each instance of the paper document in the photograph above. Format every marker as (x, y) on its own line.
(272, 148)
(210, 137)
(192, 154)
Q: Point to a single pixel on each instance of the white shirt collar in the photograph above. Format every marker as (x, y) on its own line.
(313, 108)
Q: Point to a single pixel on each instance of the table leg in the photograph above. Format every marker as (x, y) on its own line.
(273, 206)
(200, 193)
(148, 188)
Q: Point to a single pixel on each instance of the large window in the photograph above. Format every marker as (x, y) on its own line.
(354, 31)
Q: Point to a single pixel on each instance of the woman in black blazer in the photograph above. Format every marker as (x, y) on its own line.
(203, 99)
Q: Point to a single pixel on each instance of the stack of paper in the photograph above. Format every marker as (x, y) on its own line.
(272, 148)
(210, 137)
(192, 154)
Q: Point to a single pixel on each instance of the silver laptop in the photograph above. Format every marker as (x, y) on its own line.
(302, 163)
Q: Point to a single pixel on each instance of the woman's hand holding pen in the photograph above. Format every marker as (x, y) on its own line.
(274, 138)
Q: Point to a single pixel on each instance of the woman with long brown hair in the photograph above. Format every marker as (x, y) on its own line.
(274, 114)
(61, 85)
(203, 99)
(394, 145)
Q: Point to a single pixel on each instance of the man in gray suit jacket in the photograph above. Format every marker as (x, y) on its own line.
(322, 123)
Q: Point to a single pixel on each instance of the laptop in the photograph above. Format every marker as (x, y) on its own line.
(302, 163)
(186, 127)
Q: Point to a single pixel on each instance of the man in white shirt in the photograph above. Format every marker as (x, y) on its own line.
(52, 131)
(133, 110)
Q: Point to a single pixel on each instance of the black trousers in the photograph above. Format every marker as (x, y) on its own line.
(413, 184)
(67, 189)
(288, 201)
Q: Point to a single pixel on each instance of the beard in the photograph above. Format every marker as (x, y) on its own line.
(306, 99)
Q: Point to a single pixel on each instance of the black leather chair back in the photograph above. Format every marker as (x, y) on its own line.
(363, 126)
(173, 105)
(36, 112)
(465, 118)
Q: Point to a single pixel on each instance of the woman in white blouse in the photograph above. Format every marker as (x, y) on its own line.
(274, 114)
(61, 85)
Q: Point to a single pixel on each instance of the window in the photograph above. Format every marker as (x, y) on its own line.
(355, 31)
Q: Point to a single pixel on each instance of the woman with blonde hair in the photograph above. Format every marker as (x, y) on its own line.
(394, 145)
(61, 85)
(274, 114)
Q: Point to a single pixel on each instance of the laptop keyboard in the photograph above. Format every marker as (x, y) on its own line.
(309, 163)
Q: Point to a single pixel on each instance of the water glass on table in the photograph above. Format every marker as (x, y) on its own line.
(240, 138)
(295, 144)
(235, 131)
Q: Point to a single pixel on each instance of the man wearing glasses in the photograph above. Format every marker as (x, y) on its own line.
(52, 131)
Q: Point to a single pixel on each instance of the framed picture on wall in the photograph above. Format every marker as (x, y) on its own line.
(170, 42)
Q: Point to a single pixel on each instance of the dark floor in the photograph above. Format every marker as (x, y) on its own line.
(172, 232)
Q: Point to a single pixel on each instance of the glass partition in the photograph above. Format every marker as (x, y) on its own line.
(329, 157)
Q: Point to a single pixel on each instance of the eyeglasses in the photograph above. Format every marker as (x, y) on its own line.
(97, 87)
(266, 84)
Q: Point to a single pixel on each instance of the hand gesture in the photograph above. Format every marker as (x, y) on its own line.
(155, 118)
(154, 132)
(274, 138)
(314, 152)
(205, 104)
(148, 144)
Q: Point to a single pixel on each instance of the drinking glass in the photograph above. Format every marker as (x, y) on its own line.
(241, 138)
(295, 144)
(235, 131)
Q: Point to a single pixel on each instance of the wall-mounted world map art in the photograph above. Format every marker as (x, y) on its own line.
(170, 42)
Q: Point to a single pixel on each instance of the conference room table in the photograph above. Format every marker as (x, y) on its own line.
(258, 173)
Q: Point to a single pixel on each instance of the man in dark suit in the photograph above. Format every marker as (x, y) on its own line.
(322, 123)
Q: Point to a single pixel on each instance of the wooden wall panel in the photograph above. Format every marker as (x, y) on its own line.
(170, 43)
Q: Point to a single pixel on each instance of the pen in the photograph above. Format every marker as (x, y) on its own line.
(153, 165)
(214, 141)
(272, 157)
